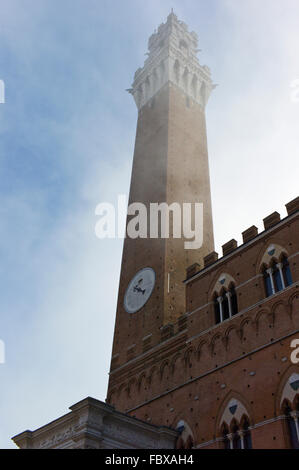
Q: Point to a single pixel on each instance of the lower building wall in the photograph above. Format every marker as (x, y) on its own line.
(255, 385)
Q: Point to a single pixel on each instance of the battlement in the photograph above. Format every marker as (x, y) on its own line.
(248, 235)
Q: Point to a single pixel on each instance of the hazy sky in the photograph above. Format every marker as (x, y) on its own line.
(67, 134)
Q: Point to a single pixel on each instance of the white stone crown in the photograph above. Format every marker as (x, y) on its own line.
(172, 57)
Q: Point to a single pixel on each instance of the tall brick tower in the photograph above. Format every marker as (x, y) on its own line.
(170, 165)
(205, 355)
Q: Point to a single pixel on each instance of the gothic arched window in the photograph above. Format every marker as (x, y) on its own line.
(185, 440)
(225, 305)
(240, 436)
(277, 276)
(235, 429)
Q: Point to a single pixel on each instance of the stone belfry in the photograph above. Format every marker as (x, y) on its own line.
(170, 165)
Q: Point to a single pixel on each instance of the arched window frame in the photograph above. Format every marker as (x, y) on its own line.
(225, 304)
(185, 440)
(277, 275)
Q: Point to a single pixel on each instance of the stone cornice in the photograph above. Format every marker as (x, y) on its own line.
(92, 423)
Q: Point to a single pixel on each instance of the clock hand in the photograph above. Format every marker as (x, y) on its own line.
(138, 289)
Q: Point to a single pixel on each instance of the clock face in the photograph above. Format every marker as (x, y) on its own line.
(139, 290)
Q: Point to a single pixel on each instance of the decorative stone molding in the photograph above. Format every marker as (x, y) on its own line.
(172, 58)
(94, 424)
(223, 282)
(234, 411)
(273, 251)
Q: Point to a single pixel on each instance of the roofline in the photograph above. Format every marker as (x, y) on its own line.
(241, 247)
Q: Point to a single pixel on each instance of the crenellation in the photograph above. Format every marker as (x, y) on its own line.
(271, 220)
(293, 206)
(229, 247)
(249, 234)
(192, 270)
(211, 258)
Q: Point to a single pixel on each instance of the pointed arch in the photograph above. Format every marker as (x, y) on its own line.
(173, 361)
(257, 320)
(141, 379)
(225, 415)
(216, 337)
(223, 282)
(289, 388)
(235, 418)
(152, 371)
(224, 434)
(163, 367)
(186, 438)
(200, 348)
(177, 72)
(272, 251)
(187, 356)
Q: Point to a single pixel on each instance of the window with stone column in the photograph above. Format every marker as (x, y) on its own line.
(239, 436)
(235, 430)
(225, 304)
(277, 275)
